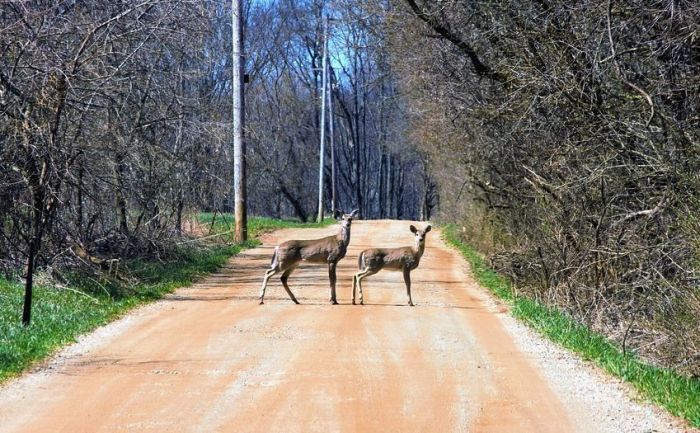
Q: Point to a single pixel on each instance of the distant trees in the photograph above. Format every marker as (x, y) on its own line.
(567, 136)
(115, 123)
(377, 167)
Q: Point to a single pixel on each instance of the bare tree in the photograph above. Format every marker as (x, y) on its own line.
(102, 116)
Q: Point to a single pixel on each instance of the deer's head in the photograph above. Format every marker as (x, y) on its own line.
(420, 234)
(346, 219)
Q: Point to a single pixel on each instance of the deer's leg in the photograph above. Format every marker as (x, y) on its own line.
(284, 278)
(359, 276)
(407, 280)
(268, 274)
(354, 283)
(331, 277)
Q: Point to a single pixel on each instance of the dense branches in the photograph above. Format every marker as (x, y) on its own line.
(581, 170)
(102, 129)
(441, 29)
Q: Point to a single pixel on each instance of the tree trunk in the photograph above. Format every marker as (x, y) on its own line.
(382, 177)
(81, 174)
(399, 196)
(119, 195)
(180, 207)
(391, 201)
(29, 280)
(296, 204)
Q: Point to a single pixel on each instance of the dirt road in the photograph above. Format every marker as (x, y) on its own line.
(210, 359)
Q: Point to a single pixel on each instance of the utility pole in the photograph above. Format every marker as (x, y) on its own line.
(332, 137)
(322, 150)
(239, 165)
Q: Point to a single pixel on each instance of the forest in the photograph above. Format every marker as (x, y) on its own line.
(561, 138)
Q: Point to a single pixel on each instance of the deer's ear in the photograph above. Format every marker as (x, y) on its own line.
(354, 213)
(427, 229)
(413, 229)
(338, 214)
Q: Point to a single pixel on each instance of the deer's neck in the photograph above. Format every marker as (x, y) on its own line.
(418, 249)
(344, 235)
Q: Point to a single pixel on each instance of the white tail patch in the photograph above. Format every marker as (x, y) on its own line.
(274, 263)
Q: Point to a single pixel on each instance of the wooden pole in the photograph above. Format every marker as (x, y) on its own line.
(239, 163)
(332, 137)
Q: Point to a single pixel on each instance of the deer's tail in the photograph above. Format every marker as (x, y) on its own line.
(361, 261)
(273, 263)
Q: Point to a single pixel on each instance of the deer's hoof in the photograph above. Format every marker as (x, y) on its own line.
(334, 302)
(295, 301)
(261, 302)
(353, 302)
(410, 304)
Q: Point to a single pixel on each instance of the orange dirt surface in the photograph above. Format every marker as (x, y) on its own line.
(210, 359)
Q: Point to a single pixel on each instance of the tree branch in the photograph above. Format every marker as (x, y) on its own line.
(480, 68)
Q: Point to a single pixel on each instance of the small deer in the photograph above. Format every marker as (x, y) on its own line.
(403, 259)
(329, 250)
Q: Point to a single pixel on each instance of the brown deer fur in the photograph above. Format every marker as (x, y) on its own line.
(330, 249)
(403, 259)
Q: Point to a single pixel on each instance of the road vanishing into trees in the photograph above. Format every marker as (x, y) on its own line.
(210, 359)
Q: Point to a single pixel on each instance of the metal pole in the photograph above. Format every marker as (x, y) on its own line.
(323, 121)
(239, 166)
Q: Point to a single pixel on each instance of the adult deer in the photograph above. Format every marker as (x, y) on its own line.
(403, 259)
(329, 250)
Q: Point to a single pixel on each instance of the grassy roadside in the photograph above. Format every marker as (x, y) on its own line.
(222, 225)
(679, 394)
(60, 314)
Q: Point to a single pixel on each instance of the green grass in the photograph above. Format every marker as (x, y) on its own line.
(677, 393)
(222, 225)
(59, 315)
